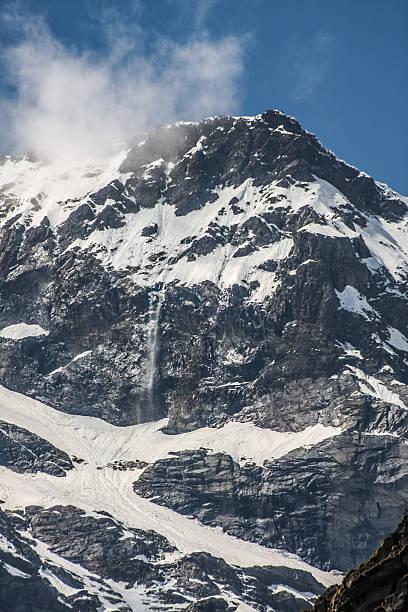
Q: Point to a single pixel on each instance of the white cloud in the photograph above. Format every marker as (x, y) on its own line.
(72, 101)
(309, 64)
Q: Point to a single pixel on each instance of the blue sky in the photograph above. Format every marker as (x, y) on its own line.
(339, 66)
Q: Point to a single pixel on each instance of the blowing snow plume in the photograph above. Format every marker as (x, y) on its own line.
(71, 102)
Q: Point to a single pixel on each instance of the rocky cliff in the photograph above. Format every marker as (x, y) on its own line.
(204, 335)
(379, 584)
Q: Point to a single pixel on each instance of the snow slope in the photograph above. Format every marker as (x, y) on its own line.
(52, 187)
(93, 487)
(100, 442)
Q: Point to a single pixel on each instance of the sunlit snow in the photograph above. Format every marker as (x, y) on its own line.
(17, 331)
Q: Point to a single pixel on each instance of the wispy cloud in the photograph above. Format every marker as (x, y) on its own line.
(308, 64)
(73, 101)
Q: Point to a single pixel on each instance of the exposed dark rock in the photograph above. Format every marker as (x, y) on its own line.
(113, 191)
(92, 543)
(107, 305)
(109, 217)
(77, 225)
(98, 543)
(379, 584)
(22, 586)
(150, 230)
(23, 451)
(128, 465)
(329, 504)
(211, 604)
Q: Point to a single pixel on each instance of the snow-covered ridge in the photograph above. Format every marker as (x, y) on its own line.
(126, 247)
(52, 187)
(123, 247)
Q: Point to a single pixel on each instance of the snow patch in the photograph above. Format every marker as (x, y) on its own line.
(93, 487)
(353, 301)
(397, 339)
(57, 583)
(125, 246)
(350, 350)
(17, 331)
(81, 355)
(376, 388)
(92, 582)
(112, 491)
(14, 571)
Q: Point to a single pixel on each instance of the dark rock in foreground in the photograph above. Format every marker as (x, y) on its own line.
(379, 584)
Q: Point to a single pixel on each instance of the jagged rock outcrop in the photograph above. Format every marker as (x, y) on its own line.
(97, 298)
(24, 586)
(23, 451)
(98, 544)
(379, 584)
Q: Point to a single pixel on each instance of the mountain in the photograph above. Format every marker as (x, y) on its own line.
(203, 370)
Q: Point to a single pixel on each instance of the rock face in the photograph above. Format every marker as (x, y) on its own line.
(243, 236)
(23, 451)
(211, 324)
(23, 584)
(380, 583)
(311, 502)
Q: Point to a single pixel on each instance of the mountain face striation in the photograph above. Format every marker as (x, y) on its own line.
(203, 371)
